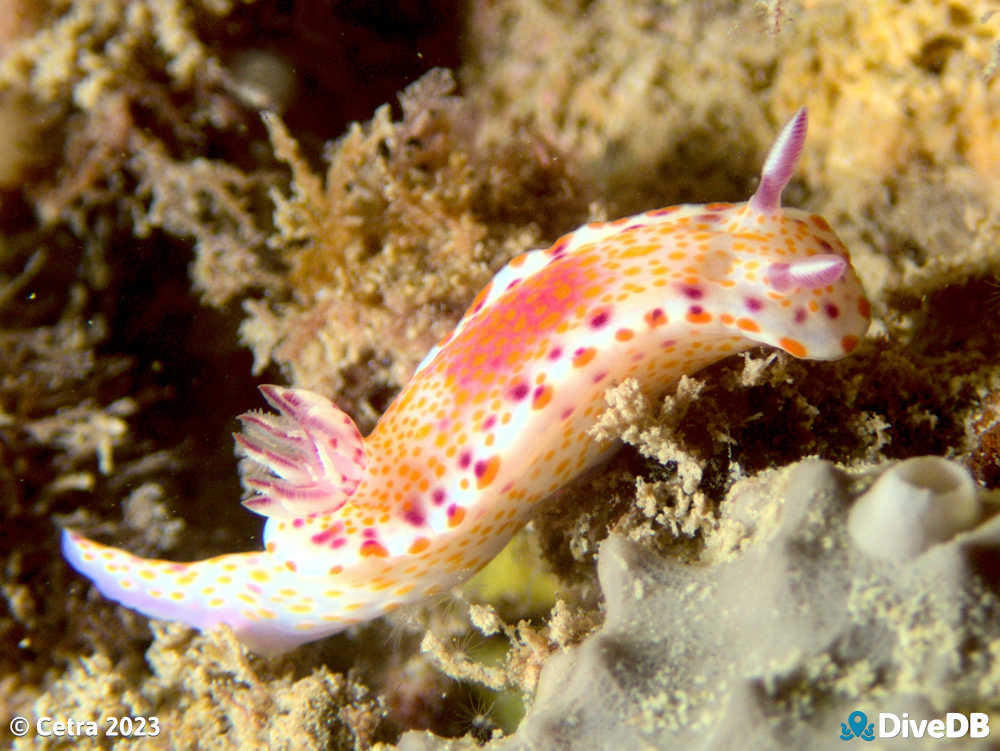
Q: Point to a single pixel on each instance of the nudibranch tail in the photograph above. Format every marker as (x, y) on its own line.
(314, 452)
(270, 606)
(780, 164)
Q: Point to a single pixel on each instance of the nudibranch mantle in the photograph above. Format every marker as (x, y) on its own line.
(497, 415)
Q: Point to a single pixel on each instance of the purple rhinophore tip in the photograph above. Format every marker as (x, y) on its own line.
(780, 164)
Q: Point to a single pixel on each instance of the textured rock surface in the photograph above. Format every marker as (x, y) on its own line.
(775, 646)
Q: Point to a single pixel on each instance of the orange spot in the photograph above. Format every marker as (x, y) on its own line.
(518, 261)
(334, 570)
(486, 472)
(666, 210)
(792, 347)
(456, 516)
(480, 299)
(543, 395)
(864, 308)
(702, 317)
(583, 356)
(419, 546)
(623, 335)
(820, 222)
(849, 343)
(655, 317)
(748, 324)
(638, 250)
(373, 548)
(726, 318)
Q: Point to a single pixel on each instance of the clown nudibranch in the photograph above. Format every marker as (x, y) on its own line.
(496, 417)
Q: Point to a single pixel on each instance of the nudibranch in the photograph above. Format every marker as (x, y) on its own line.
(496, 417)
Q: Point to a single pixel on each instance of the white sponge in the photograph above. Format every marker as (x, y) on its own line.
(915, 504)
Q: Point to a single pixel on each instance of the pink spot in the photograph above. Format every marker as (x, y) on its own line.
(437, 496)
(513, 283)
(707, 218)
(825, 245)
(832, 311)
(368, 533)
(754, 304)
(338, 543)
(507, 487)
(600, 376)
(800, 315)
(320, 537)
(480, 468)
(414, 516)
(298, 523)
(489, 422)
(567, 413)
(254, 588)
(692, 292)
(177, 568)
(334, 442)
(519, 391)
(696, 310)
(464, 459)
(668, 343)
(451, 510)
(555, 353)
(600, 319)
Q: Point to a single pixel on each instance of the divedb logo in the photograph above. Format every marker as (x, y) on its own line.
(889, 725)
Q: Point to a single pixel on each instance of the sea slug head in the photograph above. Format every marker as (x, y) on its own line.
(792, 277)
